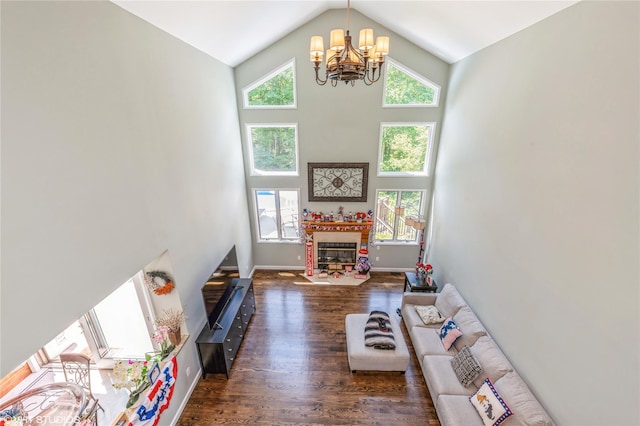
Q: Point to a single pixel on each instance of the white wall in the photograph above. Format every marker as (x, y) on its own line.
(536, 206)
(118, 142)
(338, 124)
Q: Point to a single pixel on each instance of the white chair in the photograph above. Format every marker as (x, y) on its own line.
(76, 369)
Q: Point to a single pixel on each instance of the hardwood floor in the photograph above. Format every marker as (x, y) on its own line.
(292, 367)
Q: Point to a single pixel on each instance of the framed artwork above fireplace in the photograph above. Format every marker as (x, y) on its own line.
(338, 181)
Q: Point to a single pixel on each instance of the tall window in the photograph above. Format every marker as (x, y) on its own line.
(393, 207)
(405, 149)
(406, 88)
(275, 90)
(278, 214)
(273, 149)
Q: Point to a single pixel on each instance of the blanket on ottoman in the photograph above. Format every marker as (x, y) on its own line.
(378, 333)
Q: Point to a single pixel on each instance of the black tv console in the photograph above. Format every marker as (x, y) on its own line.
(217, 348)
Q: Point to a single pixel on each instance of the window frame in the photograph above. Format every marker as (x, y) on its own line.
(245, 91)
(256, 215)
(252, 170)
(394, 240)
(426, 171)
(424, 80)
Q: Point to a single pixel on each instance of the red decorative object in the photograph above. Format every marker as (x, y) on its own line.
(309, 258)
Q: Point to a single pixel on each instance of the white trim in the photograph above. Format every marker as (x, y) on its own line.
(252, 170)
(427, 161)
(411, 73)
(245, 91)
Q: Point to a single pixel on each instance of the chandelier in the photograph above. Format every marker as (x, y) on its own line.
(345, 63)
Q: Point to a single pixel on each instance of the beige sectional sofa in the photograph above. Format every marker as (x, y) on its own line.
(451, 399)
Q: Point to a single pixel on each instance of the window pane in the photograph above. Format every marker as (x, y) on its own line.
(123, 324)
(412, 203)
(273, 148)
(385, 215)
(405, 87)
(267, 219)
(392, 210)
(276, 91)
(404, 148)
(289, 214)
(402, 89)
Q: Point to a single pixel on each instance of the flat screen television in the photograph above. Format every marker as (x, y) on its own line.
(220, 287)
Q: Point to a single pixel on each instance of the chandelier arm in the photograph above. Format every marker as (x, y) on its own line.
(318, 80)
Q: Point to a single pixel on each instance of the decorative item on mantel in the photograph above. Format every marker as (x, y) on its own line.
(358, 217)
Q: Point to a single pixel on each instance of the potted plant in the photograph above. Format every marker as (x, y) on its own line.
(172, 320)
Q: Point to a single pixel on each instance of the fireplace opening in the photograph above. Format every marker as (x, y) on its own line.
(334, 256)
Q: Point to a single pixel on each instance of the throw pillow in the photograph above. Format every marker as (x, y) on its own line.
(429, 314)
(490, 404)
(449, 332)
(465, 366)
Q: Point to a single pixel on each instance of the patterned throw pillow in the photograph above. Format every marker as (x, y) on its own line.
(490, 404)
(465, 366)
(449, 332)
(429, 314)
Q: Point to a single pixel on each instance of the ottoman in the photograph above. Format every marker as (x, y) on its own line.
(362, 357)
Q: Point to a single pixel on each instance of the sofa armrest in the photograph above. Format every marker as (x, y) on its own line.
(419, 298)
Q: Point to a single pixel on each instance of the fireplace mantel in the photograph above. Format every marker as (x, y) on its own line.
(362, 227)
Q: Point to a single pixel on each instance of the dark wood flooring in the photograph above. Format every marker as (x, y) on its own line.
(292, 367)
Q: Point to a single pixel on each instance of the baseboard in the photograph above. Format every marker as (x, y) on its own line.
(186, 399)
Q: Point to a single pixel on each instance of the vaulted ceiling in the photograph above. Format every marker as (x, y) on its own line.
(233, 31)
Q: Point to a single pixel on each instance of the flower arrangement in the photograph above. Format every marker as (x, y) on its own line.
(424, 268)
(132, 375)
(171, 319)
(161, 337)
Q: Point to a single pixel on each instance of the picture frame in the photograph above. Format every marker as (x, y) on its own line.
(154, 373)
(122, 420)
(338, 181)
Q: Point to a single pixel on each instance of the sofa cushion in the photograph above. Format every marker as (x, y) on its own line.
(490, 405)
(470, 326)
(412, 319)
(449, 301)
(426, 341)
(494, 364)
(429, 314)
(457, 410)
(438, 373)
(465, 366)
(449, 332)
(526, 408)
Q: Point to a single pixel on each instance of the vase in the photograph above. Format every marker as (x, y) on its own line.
(175, 336)
(135, 394)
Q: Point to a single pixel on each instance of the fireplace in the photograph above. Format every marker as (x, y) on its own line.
(334, 256)
(335, 244)
(342, 245)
